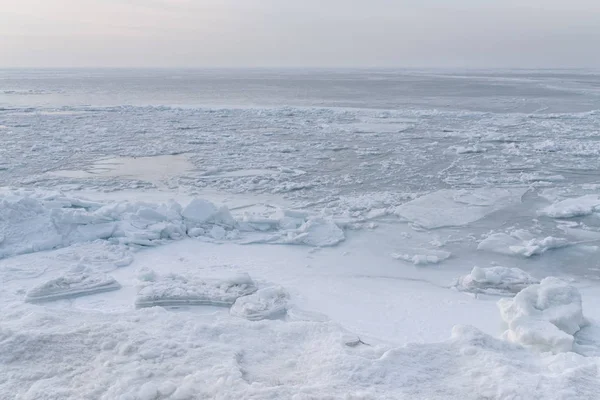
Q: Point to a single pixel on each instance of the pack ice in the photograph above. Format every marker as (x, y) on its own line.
(32, 221)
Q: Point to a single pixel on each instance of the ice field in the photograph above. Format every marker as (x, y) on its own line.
(256, 234)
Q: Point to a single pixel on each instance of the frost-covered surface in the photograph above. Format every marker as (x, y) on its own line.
(267, 303)
(495, 280)
(79, 282)
(177, 290)
(545, 316)
(357, 165)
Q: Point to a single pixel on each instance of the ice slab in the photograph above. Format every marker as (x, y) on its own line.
(73, 284)
(266, 303)
(446, 208)
(424, 256)
(495, 281)
(515, 244)
(178, 290)
(544, 316)
(575, 207)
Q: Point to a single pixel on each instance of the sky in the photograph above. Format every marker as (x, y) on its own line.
(300, 33)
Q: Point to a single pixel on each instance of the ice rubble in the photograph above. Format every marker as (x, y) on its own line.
(78, 282)
(520, 243)
(177, 290)
(267, 303)
(32, 221)
(544, 316)
(494, 280)
(574, 207)
(447, 207)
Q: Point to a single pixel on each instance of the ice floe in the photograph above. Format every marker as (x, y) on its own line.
(178, 290)
(267, 303)
(520, 243)
(544, 316)
(449, 207)
(495, 281)
(574, 207)
(79, 282)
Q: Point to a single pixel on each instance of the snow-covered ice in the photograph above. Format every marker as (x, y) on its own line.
(178, 290)
(544, 316)
(495, 281)
(78, 282)
(269, 302)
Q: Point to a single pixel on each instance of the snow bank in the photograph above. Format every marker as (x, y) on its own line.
(544, 316)
(575, 207)
(447, 207)
(79, 282)
(156, 354)
(177, 290)
(519, 243)
(495, 280)
(32, 221)
(267, 303)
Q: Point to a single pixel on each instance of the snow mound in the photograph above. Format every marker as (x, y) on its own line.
(495, 280)
(520, 245)
(544, 316)
(177, 290)
(267, 303)
(73, 284)
(575, 207)
(446, 208)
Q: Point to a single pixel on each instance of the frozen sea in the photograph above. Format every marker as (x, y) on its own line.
(301, 234)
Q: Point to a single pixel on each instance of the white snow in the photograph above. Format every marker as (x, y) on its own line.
(424, 256)
(494, 280)
(177, 290)
(267, 303)
(544, 316)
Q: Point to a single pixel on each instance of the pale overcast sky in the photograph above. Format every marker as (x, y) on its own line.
(324, 33)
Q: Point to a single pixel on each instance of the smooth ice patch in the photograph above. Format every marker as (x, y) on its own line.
(155, 169)
(495, 280)
(544, 316)
(446, 208)
(177, 290)
(267, 303)
(79, 282)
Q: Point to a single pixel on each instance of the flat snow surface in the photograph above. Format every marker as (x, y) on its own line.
(184, 234)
